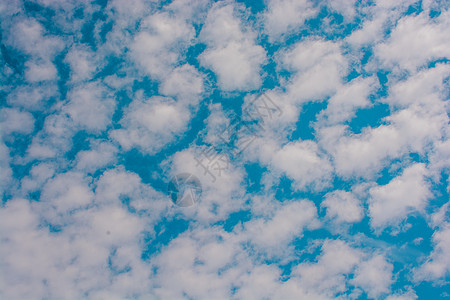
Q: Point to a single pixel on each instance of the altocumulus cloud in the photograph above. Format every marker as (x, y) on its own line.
(318, 131)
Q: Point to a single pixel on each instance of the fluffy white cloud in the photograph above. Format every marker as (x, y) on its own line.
(62, 195)
(151, 124)
(116, 185)
(29, 37)
(318, 68)
(408, 295)
(217, 123)
(286, 16)
(232, 53)
(13, 120)
(76, 224)
(343, 207)
(39, 174)
(157, 47)
(374, 276)
(5, 168)
(100, 155)
(303, 162)
(185, 83)
(437, 267)
(348, 98)
(372, 31)
(392, 203)
(261, 281)
(20, 249)
(37, 72)
(91, 107)
(83, 63)
(193, 259)
(10, 7)
(54, 140)
(416, 41)
(130, 11)
(237, 65)
(97, 251)
(287, 223)
(345, 8)
(32, 97)
(362, 155)
(220, 179)
(425, 88)
(327, 276)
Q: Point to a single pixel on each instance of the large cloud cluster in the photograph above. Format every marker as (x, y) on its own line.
(333, 184)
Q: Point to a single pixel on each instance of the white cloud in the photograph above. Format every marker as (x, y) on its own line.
(220, 179)
(90, 106)
(29, 36)
(185, 83)
(5, 169)
(62, 195)
(425, 88)
(344, 7)
(328, 275)
(437, 267)
(392, 203)
(131, 10)
(260, 282)
(32, 97)
(372, 31)
(231, 53)
(83, 63)
(10, 7)
(439, 217)
(217, 122)
(374, 276)
(343, 105)
(39, 174)
(194, 258)
(116, 185)
(54, 140)
(157, 47)
(151, 124)
(284, 17)
(318, 68)
(343, 207)
(415, 41)
(100, 155)
(408, 295)
(85, 237)
(237, 65)
(20, 249)
(276, 114)
(13, 120)
(37, 72)
(97, 253)
(362, 155)
(303, 162)
(222, 26)
(429, 5)
(287, 223)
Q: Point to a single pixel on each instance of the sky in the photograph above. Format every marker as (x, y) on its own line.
(190, 149)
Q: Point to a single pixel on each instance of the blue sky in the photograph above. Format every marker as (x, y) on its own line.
(317, 130)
